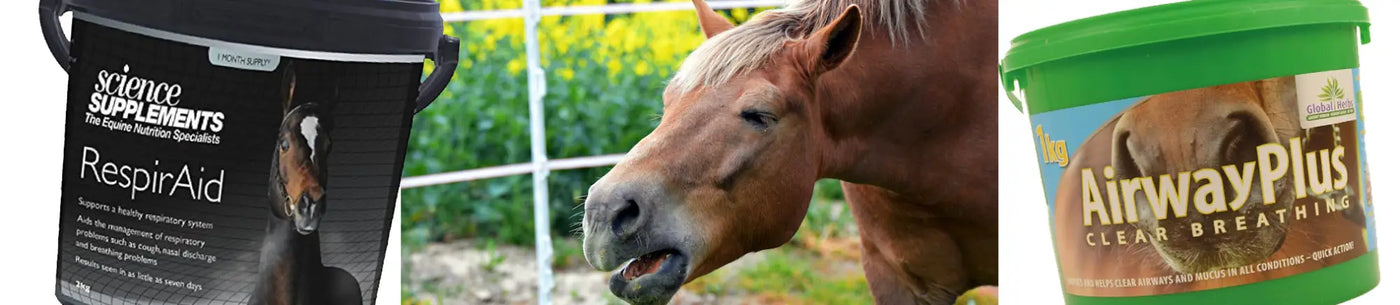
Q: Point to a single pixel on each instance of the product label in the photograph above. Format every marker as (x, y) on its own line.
(194, 175)
(1207, 188)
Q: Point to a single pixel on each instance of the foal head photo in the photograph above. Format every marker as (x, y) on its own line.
(297, 184)
(291, 271)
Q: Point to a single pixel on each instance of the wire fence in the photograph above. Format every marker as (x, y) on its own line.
(540, 165)
(606, 9)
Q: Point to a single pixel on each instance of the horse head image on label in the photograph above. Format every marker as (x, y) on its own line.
(291, 267)
(297, 186)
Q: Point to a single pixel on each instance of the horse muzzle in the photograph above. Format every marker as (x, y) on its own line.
(307, 215)
(1225, 134)
(641, 240)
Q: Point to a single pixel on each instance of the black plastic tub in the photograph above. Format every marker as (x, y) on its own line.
(236, 152)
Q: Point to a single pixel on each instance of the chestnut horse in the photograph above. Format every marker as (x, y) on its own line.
(1184, 131)
(290, 271)
(895, 98)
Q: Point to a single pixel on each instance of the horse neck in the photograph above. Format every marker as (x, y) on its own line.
(288, 252)
(918, 117)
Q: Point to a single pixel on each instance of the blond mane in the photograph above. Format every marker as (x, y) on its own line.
(750, 45)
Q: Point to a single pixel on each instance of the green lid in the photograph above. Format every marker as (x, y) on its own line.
(1175, 21)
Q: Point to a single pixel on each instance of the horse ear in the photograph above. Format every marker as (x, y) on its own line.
(710, 21)
(289, 88)
(831, 45)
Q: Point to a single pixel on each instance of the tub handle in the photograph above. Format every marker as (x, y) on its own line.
(49, 11)
(446, 60)
(1008, 82)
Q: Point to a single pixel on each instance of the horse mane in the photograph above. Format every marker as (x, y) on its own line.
(749, 46)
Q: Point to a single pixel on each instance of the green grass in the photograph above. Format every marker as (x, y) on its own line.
(431, 293)
(568, 252)
(790, 275)
(828, 215)
(495, 258)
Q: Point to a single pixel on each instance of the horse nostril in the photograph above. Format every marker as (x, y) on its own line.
(625, 223)
(1243, 135)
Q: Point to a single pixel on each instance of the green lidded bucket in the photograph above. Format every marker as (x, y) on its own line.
(1203, 152)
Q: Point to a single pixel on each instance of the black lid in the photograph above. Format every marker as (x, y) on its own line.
(344, 26)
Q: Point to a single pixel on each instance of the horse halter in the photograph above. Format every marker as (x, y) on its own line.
(299, 207)
(286, 196)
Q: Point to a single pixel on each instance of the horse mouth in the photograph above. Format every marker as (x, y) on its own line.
(1186, 253)
(651, 278)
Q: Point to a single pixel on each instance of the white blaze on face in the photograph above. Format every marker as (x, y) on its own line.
(310, 126)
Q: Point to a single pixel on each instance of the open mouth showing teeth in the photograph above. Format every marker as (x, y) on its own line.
(644, 265)
(651, 278)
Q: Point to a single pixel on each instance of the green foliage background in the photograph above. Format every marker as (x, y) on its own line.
(605, 79)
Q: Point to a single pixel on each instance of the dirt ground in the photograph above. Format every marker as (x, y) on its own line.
(820, 266)
(462, 272)
(465, 272)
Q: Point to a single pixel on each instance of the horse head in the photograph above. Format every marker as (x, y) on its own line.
(298, 179)
(730, 167)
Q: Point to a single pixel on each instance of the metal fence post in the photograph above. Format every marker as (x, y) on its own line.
(544, 248)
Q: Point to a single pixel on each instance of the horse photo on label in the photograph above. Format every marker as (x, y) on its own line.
(291, 271)
(1204, 181)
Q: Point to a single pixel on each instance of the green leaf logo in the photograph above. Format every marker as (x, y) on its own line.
(1331, 91)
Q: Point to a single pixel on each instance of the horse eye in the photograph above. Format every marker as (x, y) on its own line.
(284, 144)
(758, 119)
